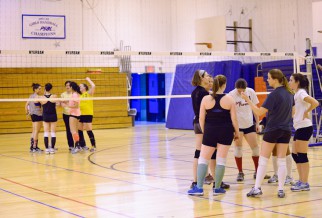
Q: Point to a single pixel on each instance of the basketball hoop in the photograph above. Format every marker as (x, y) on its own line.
(208, 44)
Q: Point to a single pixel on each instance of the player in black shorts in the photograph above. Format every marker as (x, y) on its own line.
(278, 106)
(34, 110)
(302, 123)
(50, 118)
(218, 122)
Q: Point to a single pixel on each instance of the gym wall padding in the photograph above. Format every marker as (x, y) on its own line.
(180, 113)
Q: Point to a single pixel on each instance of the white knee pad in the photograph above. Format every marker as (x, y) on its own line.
(255, 151)
(202, 160)
(46, 134)
(53, 134)
(238, 152)
(221, 161)
(281, 162)
(262, 161)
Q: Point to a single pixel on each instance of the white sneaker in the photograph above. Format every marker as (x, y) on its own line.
(47, 151)
(273, 179)
(75, 150)
(288, 180)
(51, 150)
(255, 192)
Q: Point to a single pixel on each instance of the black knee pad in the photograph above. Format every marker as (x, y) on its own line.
(213, 157)
(295, 157)
(197, 154)
(302, 158)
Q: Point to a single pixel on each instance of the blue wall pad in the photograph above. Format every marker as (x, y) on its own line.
(180, 113)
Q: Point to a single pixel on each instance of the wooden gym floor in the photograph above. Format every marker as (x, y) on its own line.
(143, 171)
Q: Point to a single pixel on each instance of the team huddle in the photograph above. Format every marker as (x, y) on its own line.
(222, 118)
(77, 116)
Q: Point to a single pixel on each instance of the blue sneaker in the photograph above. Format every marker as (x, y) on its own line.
(195, 191)
(219, 191)
(300, 187)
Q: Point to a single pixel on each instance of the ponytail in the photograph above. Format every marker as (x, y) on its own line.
(215, 87)
(286, 85)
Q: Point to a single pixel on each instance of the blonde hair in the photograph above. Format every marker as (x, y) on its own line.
(219, 81)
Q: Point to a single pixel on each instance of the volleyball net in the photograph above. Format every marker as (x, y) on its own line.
(143, 80)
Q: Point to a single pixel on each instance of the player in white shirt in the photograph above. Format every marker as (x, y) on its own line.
(302, 124)
(247, 126)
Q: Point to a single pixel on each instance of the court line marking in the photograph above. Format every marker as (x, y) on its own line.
(128, 181)
(59, 196)
(38, 202)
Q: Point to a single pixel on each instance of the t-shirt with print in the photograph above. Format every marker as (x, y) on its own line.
(244, 111)
(279, 104)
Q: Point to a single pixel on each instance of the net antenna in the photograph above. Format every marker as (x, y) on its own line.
(310, 60)
(210, 34)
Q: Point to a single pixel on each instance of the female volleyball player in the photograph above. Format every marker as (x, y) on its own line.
(302, 123)
(218, 122)
(201, 81)
(86, 118)
(35, 111)
(247, 127)
(50, 118)
(74, 116)
(278, 105)
(66, 114)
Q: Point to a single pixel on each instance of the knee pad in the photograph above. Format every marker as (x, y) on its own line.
(262, 161)
(281, 162)
(202, 160)
(302, 158)
(221, 161)
(295, 158)
(255, 151)
(53, 134)
(197, 154)
(213, 157)
(238, 152)
(46, 134)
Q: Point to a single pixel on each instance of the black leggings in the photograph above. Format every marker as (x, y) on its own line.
(68, 133)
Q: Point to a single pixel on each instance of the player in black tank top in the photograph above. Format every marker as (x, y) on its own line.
(218, 122)
(50, 119)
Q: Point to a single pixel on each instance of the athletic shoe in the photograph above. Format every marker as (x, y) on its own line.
(196, 191)
(33, 150)
(265, 177)
(223, 185)
(301, 187)
(240, 177)
(39, 150)
(51, 150)
(219, 191)
(209, 179)
(193, 184)
(288, 180)
(255, 192)
(47, 151)
(75, 150)
(85, 148)
(298, 182)
(281, 194)
(93, 149)
(273, 179)
(70, 149)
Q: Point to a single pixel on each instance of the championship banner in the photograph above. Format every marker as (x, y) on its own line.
(43, 26)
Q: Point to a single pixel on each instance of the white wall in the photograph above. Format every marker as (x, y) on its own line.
(158, 25)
